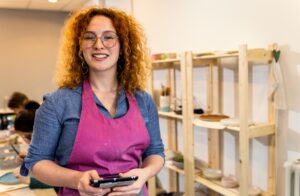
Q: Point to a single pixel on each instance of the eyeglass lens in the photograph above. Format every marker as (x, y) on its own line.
(108, 38)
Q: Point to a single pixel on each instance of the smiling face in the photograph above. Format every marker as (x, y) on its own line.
(100, 45)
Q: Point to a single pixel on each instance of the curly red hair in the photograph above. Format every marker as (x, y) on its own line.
(133, 60)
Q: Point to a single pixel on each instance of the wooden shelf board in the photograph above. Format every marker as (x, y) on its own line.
(257, 130)
(260, 55)
(208, 124)
(216, 56)
(260, 130)
(216, 186)
(166, 61)
(174, 168)
(170, 115)
(256, 56)
(165, 64)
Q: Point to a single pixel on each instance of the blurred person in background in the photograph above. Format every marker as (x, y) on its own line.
(17, 101)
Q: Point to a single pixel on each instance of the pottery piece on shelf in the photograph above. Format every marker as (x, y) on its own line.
(229, 181)
(213, 174)
(233, 122)
(212, 117)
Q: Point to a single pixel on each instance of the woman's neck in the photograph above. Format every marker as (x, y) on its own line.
(104, 83)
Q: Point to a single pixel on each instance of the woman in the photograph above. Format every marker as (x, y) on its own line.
(99, 123)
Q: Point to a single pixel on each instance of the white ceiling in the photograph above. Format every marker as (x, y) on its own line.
(61, 5)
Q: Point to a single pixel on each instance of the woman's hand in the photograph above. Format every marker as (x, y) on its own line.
(84, 187)
(136, 187)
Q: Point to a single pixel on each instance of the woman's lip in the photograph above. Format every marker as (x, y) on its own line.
(100, 57)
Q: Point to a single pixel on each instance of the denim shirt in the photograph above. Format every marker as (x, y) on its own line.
(57, 120)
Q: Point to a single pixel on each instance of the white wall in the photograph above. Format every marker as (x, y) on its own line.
(197, 25)
(28, 50)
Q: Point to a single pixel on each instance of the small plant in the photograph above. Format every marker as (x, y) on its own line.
(179, 158)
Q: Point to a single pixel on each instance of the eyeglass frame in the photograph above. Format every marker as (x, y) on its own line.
(115, 37)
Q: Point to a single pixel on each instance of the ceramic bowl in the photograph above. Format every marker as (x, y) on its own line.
(213, 174)
(233, 122)
(229, 181)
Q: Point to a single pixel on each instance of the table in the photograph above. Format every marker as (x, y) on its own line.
(26, 191)
(30, 192)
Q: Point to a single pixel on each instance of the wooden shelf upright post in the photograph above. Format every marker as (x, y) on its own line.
(244, 115)
(188, 116)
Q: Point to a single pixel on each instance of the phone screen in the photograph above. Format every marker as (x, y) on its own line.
(114, 182)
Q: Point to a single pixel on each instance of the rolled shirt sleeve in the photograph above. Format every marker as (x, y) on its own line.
(149, 111)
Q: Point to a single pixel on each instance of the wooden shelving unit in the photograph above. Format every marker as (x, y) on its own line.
(244, 58)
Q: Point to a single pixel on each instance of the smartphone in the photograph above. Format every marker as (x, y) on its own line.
(113, 182)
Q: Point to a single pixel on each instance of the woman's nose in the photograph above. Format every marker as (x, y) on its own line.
(98, 43)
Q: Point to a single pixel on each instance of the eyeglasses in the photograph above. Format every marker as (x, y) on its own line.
(108, 39)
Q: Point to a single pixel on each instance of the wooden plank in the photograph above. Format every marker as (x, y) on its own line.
(208, 124)
(151, 182)
(213, 135)
(172, 132)
(170, 115)
(216, 56)
(257, 130)
(236, 92)
(219, 88)
(236, 114)
(219, 93)
(215, 185)
(272, 140)
(175, 169)
(250, 91)
(261, 130)
(271, 163)
(203, 62)
(243, 112)
(166, 64)
(209, 93)
(30, 192)
(150, 86)
(260, 56)
(166, 61)
(188, 115)
(257, 56)
(173, 93)
(213, 148)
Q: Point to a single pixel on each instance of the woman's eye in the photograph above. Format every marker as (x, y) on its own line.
(108, 37)
(89, 37)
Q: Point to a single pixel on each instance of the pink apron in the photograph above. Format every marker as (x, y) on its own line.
(110, 146)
